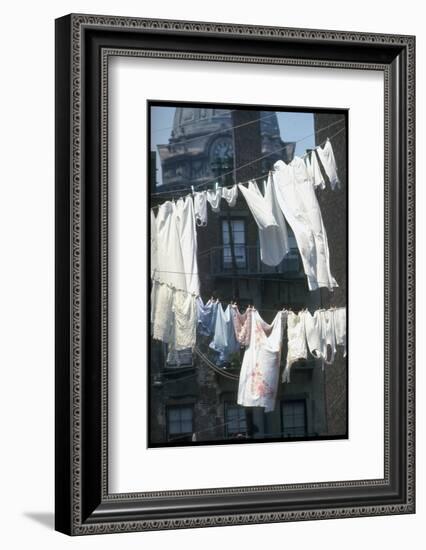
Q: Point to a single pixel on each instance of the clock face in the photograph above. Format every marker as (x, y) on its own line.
(222, 149)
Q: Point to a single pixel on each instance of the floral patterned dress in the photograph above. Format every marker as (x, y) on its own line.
(259, 376)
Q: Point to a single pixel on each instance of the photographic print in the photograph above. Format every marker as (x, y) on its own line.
(248, 276)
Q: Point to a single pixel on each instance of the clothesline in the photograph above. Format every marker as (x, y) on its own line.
(211, 365)
(228, 276)
(232, 301)
(260, 158)
(276, 151)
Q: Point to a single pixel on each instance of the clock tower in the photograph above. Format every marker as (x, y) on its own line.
(202, 139)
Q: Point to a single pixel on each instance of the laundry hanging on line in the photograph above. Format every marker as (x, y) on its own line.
(224, 341)
(174, 272)
(289, 195)
(319, 333)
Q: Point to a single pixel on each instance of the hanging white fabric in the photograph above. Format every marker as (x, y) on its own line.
(170, 266)
(314, 171)
(200, 208)
(326, 155)
(184, 321)
(296, 197)
(339, 317)
(188, 243)
(296, 342)
(313, 331)
(273, 237)
(230, 194)
(213, 197)
(259, 375)
(320, 334)
(176, 282)
(154, 245)
(162, 312)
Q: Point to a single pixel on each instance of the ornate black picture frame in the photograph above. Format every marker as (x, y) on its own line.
(84, 43)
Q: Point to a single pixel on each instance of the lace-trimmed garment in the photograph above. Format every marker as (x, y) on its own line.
(161, 312)
(259, 375)
(184, 321)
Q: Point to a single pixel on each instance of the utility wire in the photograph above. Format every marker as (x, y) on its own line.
(185, 124)
(221, 131)
(256, 160)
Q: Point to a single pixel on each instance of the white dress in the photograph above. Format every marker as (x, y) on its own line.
(296, 197)
(259, 375)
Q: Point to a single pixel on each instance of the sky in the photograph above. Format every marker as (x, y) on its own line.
(297, 127)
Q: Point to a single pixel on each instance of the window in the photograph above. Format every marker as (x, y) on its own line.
(239, 240)
(235, 418)
(293, 417)
(179, 422)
